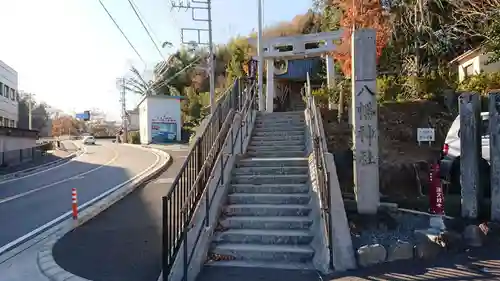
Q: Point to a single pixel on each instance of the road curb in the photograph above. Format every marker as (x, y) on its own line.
(26, 172)
(45, 259)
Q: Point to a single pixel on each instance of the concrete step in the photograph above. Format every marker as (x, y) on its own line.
(278, 128)
(280, 114)
(287, 133)
(275, 143)
(279, 122)
(283, 170)
(270, 162)
(272, 253)
(269, 210)
(269, 198)
(295, 266)
(279, 137)
(275, 154)
(274, 179)
(279, 222)
(269, 188)
(278, 148)
(264, 236)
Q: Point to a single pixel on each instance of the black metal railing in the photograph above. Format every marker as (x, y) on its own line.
(184, 196)
(320, 149)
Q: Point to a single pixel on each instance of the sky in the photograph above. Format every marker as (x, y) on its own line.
(68, 53)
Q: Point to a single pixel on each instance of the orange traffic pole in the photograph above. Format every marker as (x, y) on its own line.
(74, 203)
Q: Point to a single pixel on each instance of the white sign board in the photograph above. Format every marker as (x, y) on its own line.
(425, 134)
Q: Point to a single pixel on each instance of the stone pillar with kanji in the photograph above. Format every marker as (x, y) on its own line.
(365, 121)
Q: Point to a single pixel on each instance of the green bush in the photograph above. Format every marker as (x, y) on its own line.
(481, 83)
(134, 137)
(47, 146)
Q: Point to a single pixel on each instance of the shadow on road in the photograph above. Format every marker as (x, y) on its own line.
(123, 242)
(39, 199)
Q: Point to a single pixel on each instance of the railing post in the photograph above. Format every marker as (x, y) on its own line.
(241, 134)
(185, 247)
(166, 239)
(207, 207)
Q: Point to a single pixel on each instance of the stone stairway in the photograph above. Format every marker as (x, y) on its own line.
(267, 221)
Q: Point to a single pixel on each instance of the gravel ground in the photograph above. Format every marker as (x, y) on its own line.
(385, 228)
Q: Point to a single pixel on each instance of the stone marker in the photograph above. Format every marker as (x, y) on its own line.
(494, 129)
(371, 254)
(470, 152)
(365, 121)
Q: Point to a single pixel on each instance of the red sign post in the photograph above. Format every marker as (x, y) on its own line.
(436, 196)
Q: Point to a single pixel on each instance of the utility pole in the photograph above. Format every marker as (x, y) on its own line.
(123, 103)
(207, 6)
(30, 108)
(260, 54)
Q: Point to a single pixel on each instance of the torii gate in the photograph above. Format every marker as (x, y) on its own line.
(364, 117)
(320, 43)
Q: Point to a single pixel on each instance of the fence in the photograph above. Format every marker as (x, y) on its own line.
(16, 157)
(319, 151)
(190, 184)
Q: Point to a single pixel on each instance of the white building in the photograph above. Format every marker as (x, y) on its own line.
(474, 62)
(133, 119)
(9, 104)
(160, 119)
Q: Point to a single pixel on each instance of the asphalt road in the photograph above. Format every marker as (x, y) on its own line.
(123, 243)
(30, 202)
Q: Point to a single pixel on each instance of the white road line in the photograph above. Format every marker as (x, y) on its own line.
(85, 205)
(8, 199)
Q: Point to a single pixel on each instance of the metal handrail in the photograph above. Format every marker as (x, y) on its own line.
(209, 199)
(180, 203)
(320, 149)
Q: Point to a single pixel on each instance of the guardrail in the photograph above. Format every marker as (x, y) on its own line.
(319, 150)
(188, 187)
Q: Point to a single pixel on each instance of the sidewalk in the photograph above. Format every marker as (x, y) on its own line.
(476, 264)
(50, 157)
(123, 242)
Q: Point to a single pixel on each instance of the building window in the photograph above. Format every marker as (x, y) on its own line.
(1, 89)
(469, 70)
(13, 94)
(6, 91)
(12, 123)
(1, 122)
(6, 122)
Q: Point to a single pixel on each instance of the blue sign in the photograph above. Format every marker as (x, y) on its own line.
(85, 115)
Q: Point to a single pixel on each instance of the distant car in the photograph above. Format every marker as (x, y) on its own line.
(89, 140)
(450, 160)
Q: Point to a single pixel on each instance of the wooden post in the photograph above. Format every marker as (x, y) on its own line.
(494, 129)
(470, 152)
(365, 121)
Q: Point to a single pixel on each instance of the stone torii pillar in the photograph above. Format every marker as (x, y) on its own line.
(270, 85)
(365, 121)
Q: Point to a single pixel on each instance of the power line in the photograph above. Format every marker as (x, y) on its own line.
(156, 87)
(119, 28)
(144, 26)
(146, 22)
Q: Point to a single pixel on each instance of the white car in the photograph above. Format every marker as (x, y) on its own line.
(89, 140)
(450, 160)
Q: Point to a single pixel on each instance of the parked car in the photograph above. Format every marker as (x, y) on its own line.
(450, 159)
(89, 140)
